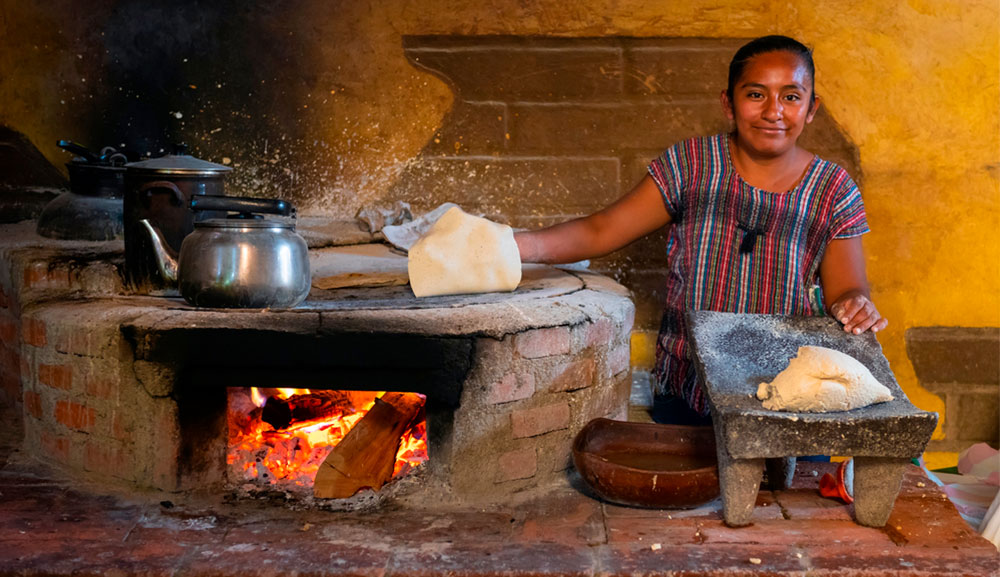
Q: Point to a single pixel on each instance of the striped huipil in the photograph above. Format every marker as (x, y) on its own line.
(733, 247)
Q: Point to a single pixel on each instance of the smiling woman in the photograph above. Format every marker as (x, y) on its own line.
(757, 221)
(771, 104)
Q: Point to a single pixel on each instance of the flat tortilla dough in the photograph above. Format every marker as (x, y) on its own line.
(462, 253)
(820, 380)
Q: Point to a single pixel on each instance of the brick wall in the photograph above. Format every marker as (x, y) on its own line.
(534, 391)
(66, 373)
(545, 129)
(962, 365)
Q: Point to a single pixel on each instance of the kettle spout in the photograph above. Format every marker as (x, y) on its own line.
(166, 260)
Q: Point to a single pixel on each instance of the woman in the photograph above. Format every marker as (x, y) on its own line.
(755, 219)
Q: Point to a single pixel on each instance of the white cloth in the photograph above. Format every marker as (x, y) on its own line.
(404, 236)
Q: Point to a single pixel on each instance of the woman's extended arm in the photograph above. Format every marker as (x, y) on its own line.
(845, 287)
(631, 217)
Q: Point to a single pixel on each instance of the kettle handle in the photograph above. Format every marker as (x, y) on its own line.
(150, 187)
(242, 204)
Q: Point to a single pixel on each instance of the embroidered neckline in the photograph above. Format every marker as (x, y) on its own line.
(731, 167)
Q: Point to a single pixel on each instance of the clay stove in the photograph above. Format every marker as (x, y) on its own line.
(132, 389)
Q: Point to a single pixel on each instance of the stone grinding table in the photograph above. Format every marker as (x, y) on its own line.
(736, 352)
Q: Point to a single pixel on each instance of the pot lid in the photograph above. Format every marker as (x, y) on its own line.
(232, 222)
(179, 162)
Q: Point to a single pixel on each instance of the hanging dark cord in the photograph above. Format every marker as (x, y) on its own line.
(749, 238)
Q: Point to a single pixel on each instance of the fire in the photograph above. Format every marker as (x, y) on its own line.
(263, 454)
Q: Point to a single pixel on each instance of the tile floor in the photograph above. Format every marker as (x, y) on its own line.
(52, 526)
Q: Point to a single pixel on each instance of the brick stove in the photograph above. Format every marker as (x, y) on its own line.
(131, 389)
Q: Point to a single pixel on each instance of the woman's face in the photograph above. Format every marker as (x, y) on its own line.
(772, 102)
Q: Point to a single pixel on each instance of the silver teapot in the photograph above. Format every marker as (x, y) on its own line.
(242, 261)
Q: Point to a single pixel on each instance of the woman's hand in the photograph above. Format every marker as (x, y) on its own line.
(858, 314)
(845, 287)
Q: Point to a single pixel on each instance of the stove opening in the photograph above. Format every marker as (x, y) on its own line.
(323, 443)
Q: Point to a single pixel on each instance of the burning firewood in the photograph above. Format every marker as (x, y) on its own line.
(282, 413)
(367, 454)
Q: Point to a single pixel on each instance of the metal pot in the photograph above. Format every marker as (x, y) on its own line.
(160, 190)
(242, 261)
(92, 209)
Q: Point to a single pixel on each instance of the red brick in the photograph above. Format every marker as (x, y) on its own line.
(56, 376)
(533, 422)
(33, 404)
(118, 430)
(600, 332)
(928, 521)
(797, 533)
(568, 518)
(41, 275)
(645, 531)
(639, 558)
(573, 375)
(75, 416)
(101, 457)
(877, 562)
(8, 331)
(101, 386)
(809, 504)
(543, 342)
(55, 445)
(512, 387)
(519, 464)
(80, 342)
(33, 332)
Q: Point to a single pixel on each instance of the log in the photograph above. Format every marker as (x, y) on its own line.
(282, 413)
(367, 454)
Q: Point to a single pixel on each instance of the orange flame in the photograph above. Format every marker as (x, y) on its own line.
(260, 453)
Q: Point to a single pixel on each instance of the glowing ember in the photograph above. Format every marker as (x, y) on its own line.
(291, 455)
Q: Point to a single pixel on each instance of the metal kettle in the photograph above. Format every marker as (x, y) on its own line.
(242, 261)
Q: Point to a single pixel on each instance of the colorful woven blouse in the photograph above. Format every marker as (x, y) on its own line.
(733, 247)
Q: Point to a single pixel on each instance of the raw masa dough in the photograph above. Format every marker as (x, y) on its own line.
(819, 380)
(462, 253)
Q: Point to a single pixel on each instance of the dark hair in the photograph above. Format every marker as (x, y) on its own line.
(765, 44)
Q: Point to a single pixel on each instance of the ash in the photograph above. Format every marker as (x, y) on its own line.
(301, 498)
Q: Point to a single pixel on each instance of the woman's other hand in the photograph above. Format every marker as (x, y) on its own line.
(858, 314)
(845, 287)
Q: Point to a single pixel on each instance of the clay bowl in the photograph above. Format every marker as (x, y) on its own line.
(648, 464)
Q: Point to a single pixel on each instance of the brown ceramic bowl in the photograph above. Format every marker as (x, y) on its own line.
(648, 464)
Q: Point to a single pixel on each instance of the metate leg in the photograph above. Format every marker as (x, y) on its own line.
(739, 480)
(876, 485)
(780, 472)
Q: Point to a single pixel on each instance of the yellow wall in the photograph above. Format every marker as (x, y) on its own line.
(914, 84)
